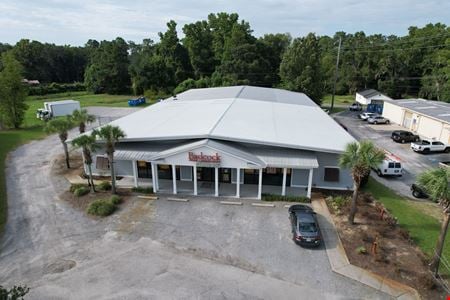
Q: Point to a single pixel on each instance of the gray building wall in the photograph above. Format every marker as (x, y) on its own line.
(300, 177)
(122, 167)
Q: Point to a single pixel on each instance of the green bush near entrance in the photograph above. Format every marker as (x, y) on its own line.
(143, 190)
(101, 208)
(273, 197)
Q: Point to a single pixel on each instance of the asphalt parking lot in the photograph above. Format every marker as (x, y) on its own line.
(413, 163)
(153, 249)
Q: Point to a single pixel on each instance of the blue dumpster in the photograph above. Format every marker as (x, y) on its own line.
(136, 102)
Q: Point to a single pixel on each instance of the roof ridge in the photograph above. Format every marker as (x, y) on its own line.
(225, 112)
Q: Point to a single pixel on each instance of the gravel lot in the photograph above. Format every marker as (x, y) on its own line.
(413, 163)
(153, 249)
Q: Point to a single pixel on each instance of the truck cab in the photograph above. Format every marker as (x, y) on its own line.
(427, 146)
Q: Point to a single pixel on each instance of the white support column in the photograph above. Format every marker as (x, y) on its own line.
(195, 180)
(260, 184)
(154, 178)
(174, 179)
(283, 189)
(238, 183)
(216, 181)
(135, 173)
(308, 194)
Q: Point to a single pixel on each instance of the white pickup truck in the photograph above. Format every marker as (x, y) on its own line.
(427, 146)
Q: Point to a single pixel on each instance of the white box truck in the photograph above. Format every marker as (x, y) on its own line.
(57, 109)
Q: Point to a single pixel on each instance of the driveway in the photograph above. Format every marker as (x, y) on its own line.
(413, 163)
(153, 249)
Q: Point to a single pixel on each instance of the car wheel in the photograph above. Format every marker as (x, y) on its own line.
(447, 150)
(426, 150)
(416, 140)
(387, 122)
(416, 194)
(379, 173)
(403, 141)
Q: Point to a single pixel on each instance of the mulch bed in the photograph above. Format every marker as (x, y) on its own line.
(396, 257)
(82, 203)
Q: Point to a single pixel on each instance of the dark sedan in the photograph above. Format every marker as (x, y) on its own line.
(403, 136)
(304, 225)
(418, 191)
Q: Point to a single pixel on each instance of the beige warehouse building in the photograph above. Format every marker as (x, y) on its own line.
(430, 119)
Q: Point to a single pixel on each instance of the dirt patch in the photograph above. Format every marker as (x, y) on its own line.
(377, 244)
(138, 210)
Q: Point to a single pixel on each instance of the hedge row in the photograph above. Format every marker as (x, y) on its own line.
(273, 197)
(55, 88)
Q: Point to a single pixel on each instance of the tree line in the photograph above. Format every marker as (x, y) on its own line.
(222, 51)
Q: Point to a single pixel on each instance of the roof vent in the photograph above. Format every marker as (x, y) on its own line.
(175, 97)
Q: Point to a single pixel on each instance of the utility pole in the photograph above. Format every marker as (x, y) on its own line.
(336, 74)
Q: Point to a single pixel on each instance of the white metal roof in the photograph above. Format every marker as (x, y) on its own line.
(434, 109)
(254, 115)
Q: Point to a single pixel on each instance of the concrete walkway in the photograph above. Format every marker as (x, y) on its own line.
(341, 265)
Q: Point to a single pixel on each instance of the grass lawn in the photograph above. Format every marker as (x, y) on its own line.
(338, 100)
(421, 219)
(33, 129)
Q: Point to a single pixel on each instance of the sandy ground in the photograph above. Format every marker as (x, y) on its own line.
(152, 249)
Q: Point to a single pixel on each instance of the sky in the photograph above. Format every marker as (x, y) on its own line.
(76, 21)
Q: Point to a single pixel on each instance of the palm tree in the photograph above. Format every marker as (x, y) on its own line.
(61, 126)
(81, 118)
(359, 158)
(88, 144)
(110, 135)
(436, 184)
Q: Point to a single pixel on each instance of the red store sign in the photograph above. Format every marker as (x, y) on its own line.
(215, 158)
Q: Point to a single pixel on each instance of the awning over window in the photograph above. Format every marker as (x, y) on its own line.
(287, 158)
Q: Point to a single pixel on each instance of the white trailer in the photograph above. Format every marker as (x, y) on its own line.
(58, 109)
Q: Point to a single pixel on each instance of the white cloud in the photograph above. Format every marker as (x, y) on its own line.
(74, 22)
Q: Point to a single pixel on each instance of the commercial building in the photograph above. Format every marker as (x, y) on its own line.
(373, 99)
(231, 141)
(427, 118)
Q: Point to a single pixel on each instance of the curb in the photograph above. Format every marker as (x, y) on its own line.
(341, 265)
(263, 204)
(178, 199)
(148, 197)
(230, 203)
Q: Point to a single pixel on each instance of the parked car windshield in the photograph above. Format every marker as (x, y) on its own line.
(307, 227)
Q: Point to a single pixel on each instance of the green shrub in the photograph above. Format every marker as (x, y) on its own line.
(361, 250)
(81, 191)
(101, 208)
(104, 186)
(144, 190)
(75, 186)
(337, 202)
(116, 200)
(273, 197)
